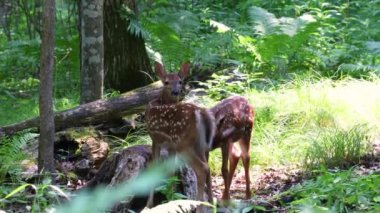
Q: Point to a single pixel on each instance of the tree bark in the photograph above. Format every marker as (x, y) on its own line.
(126, 58)
(95, 112)
(92, 51)
(46, 139)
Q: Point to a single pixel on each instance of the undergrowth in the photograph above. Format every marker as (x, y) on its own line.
(342, 191)
(291, 118)
(34, 197)
(12, 155)
(338, 148)
(311, 121)
(135, 137)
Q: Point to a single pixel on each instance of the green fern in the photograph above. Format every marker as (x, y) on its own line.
(292, 26)
(265, 23)
(134, 27)
(168, 43)
(358, 70)
(11, 154)
(282, 41)
(373, 46)
(171, 33)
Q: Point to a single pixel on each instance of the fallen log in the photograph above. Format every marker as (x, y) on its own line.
(129, 163)
(95, 112)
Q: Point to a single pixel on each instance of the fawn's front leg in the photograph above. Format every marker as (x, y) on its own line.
(202, 171)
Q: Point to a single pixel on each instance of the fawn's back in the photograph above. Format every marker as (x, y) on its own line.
(234, 116)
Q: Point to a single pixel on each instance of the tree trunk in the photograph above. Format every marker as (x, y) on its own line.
(126, 62)
(46, 140)
(95, 112)
(91, 57)
(5, 12)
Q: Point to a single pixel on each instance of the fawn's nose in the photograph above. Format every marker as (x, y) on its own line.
(175, 93)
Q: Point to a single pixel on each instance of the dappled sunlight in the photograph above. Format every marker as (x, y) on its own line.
(290, 118)
(361, 101)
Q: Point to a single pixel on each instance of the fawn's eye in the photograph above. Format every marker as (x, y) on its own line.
(180, 82)
(166, 82)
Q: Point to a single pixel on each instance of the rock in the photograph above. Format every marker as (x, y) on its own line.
(82, 167)
(29, 169)
(94, 149)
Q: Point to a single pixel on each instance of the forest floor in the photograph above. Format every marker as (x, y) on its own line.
(268, 184)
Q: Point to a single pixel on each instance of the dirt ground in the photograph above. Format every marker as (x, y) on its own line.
(265, 184)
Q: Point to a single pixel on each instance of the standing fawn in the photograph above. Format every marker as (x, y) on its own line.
(234, 118)
(181, 127)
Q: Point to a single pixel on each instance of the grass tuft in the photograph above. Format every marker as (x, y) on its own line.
(292, 117)
(337, 147)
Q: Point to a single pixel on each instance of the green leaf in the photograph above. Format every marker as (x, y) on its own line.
(18, 189)
(250, 208)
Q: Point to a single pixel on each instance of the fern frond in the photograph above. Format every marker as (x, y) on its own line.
(352, 68)
(13, 145)
(373, 46)
(171, 33)
(135, 28)
(168, 43)
(177, 206)
(11, 154)
(265, 23)
(134, 25)
(291, 26)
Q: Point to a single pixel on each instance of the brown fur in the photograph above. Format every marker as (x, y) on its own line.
(234, 117)
(183, 128)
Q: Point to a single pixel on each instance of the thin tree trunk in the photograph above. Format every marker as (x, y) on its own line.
(92, 54)
(46, 140)
(126, 62)
(23, 5)
(5, 13)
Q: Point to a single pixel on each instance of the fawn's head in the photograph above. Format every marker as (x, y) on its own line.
(173, 82)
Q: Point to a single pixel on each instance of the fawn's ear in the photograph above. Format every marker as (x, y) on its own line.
(184, 71)
(160, 71)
